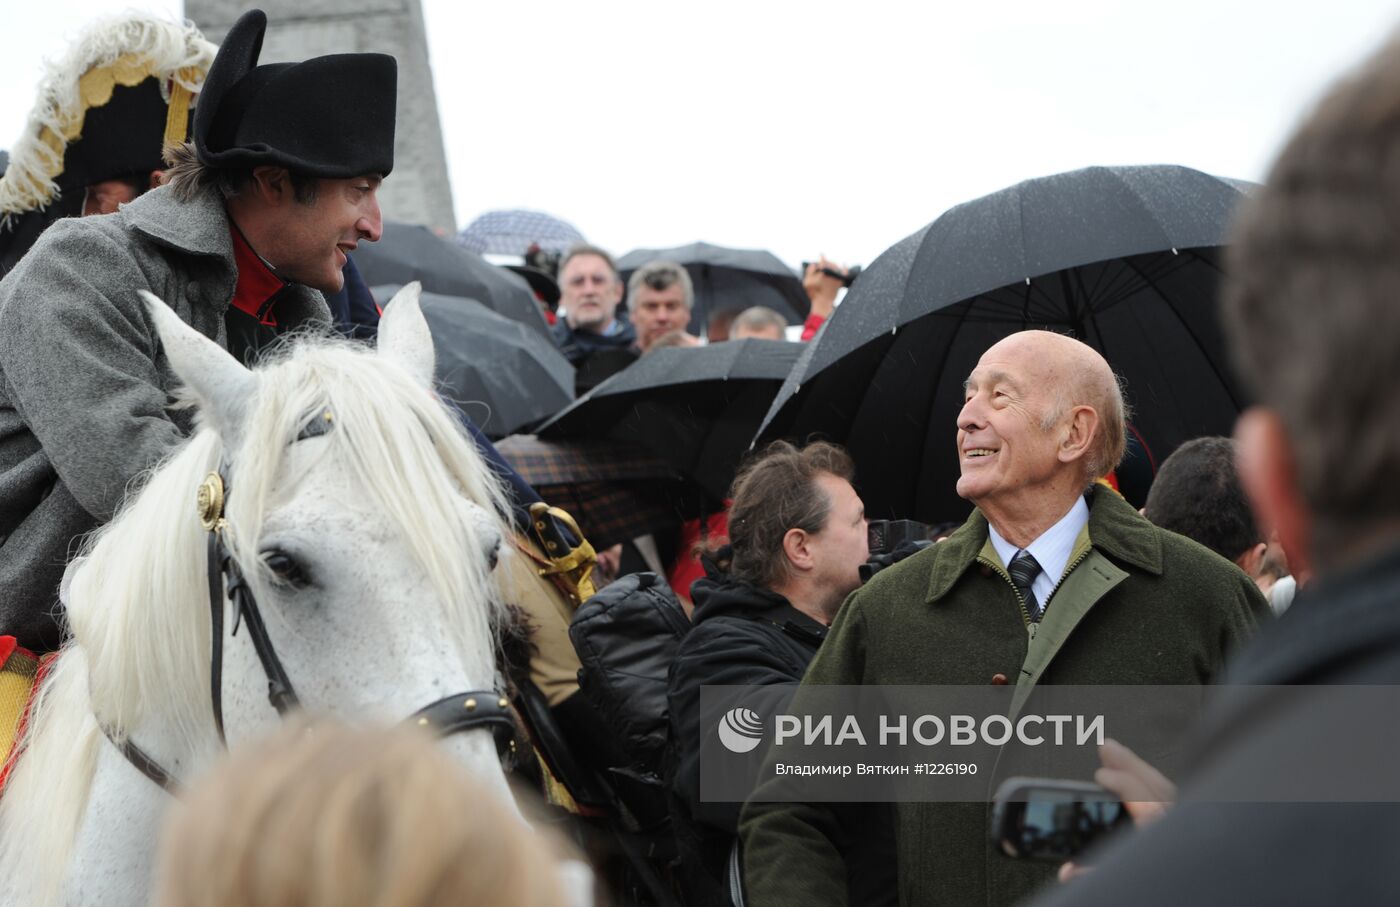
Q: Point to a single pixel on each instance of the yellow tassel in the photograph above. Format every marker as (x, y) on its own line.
(177, 118)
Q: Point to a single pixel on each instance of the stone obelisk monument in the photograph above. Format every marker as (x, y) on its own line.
(418, 191)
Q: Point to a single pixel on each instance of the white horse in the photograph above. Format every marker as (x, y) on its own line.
(368, 547)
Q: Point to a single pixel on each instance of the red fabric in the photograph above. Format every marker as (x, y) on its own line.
(687, 567)
(42, 672)
(258, 286)
(8, 644)
(812, 325)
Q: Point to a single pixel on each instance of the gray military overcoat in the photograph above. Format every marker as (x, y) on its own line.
(83, 384)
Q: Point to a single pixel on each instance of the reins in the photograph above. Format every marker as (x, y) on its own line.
(459, 712)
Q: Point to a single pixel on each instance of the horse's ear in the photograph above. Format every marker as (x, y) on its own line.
(404, 336)
(221, 384)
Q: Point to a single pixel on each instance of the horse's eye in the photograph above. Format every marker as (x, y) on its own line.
(285, 568)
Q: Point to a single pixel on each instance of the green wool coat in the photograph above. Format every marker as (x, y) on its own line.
(1137, 605)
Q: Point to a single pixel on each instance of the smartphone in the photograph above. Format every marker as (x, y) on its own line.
(1050, 819)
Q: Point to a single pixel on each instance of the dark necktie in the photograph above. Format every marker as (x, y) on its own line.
(1024, 569)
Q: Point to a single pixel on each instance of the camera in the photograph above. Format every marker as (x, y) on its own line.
(891, 541)
(886, 535)
(846, 279)
(1047, 819)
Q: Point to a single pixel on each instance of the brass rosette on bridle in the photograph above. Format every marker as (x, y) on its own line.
(209, 501)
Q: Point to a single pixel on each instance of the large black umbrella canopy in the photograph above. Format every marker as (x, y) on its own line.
(1124, 258)
(503, 374)
(409, 252)
(729, 279)
(695, 407)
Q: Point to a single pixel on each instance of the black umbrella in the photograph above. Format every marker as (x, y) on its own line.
(694, 407)
(732, 279)
(503, 374)
(1124, 258)
(408, 252)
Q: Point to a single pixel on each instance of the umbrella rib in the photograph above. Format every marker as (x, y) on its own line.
(1186, 326)
(1151, 215)
(938, 375)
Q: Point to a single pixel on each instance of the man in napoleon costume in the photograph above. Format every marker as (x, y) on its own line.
(252, 228)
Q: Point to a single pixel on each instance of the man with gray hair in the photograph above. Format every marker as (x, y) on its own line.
(1054, 579)
(758, 321)
(659, 299)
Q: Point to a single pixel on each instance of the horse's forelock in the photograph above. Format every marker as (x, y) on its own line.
(398, 443)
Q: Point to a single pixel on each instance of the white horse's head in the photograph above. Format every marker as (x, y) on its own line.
(368, 546)
(361, 516)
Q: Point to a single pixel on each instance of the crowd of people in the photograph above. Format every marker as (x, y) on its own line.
(242, 208)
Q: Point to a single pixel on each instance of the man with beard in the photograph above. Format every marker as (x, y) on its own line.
(797, 540)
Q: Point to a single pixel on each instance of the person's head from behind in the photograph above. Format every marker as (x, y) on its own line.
(296, 150)
(797, 526)
(758, 321)
(589, 289)
(1197, 493)
(1310, 308)
(720, 323)
(659, 298)
(324, 815)
(1043, 417)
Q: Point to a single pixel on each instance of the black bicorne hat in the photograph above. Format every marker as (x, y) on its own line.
(329, 116)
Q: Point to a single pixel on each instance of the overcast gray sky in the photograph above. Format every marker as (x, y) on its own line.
(825, 127)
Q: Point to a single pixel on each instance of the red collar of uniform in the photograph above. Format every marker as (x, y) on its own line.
(258, 287)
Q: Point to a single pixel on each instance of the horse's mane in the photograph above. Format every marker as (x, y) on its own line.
(137, 598)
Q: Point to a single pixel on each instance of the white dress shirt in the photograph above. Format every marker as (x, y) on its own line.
(1051, 549)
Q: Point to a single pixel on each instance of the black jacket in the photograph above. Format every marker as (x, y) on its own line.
(579, 345)
(744, 635)
(1205, 851)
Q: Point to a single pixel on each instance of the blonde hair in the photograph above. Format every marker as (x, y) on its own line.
(324, 815)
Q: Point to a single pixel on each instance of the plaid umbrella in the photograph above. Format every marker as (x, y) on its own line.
(513, 232)
(615, 491)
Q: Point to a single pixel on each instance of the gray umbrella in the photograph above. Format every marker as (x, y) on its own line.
(503, 374)
(729, 279)
(408, 252)
(513, 232)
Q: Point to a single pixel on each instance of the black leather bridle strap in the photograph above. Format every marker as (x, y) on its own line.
(144, 764)
(216, 634)
(470, 711)
(279, 686)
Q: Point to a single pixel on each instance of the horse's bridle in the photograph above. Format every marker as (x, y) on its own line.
(472, 710)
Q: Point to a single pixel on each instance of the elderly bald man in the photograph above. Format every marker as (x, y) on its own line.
(1054, 579)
